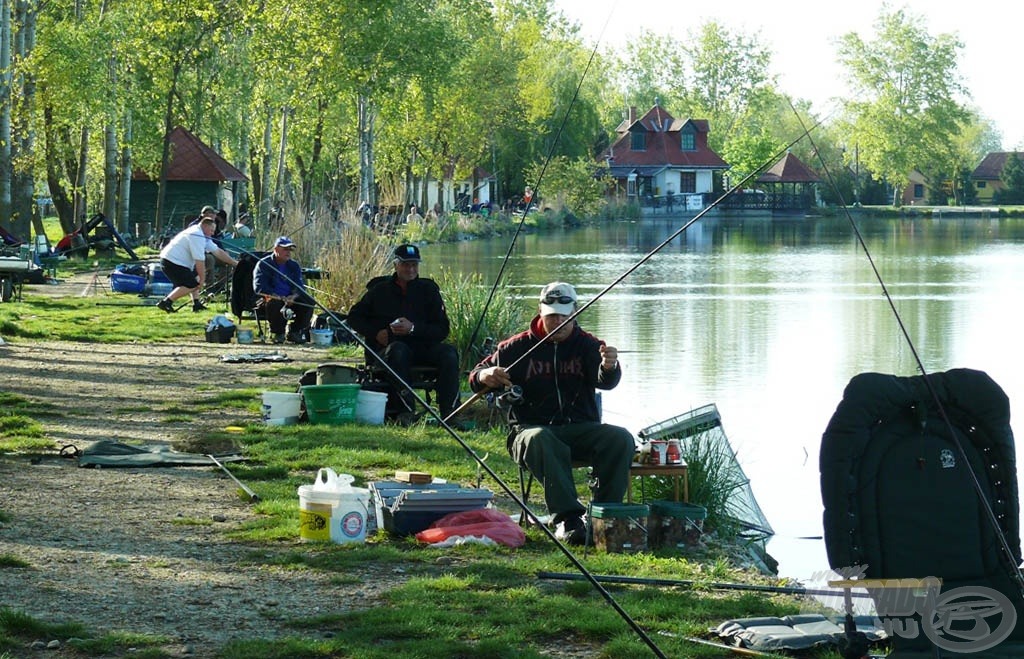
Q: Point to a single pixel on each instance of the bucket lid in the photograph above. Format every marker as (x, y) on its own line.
(619, 510)
(679, 509)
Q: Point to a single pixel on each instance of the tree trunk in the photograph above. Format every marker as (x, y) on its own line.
(279, 180)
(125, 178)
(265, 170)
(58, 194)
(23, 179)
(110, 174)
(165, 158)
(367, 189)
(5, 111)
(79, 205)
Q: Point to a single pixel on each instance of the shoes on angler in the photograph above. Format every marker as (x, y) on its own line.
(297, 337)
(167, 305)
(197, 305)
(278, 338)
(572, 530)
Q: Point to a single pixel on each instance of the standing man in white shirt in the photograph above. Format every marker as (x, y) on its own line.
(184, 262)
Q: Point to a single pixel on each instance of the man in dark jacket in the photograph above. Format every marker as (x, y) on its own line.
(402, 317)
(277, 280)
(557, 420)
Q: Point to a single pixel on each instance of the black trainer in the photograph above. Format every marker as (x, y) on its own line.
(197, 305)
(572, 530)
(278, 338)
(167, 305)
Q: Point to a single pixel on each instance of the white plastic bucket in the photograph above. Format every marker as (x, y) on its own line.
(370, 407)
(322, 337)
(243, 336)
(281, 408)
(331, 509)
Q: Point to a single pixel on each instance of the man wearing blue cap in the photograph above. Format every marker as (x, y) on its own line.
(277, 280)
(404, 319)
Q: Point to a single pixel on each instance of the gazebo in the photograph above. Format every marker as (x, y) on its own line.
(791, 184)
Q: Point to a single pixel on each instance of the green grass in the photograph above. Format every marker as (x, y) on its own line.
(479, 602)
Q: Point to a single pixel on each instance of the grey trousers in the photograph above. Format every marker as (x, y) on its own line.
(549, 451)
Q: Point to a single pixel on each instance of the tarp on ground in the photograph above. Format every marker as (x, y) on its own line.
(116, 454)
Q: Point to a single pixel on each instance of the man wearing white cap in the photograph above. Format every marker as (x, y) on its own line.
(557, 420)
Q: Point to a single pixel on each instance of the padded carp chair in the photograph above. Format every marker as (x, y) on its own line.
(243, 299)
(909, 496)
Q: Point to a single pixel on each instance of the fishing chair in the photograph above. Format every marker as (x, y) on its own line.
(244, 300)
(526, 483)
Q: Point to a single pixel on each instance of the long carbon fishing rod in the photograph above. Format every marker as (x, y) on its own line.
(713, 585)
(644, 259)
(483, 465)
(975, 481)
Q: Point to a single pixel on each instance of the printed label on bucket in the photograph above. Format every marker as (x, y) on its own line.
(314, 522)
(351, 525)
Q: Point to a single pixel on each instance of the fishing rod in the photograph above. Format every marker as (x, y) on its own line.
(536, 186)
(713, 585)
(990, 515)
(443, 423)
(572, 317)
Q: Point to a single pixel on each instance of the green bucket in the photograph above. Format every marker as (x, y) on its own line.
(331, 403)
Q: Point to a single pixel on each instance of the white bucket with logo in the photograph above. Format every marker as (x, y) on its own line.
(370, 407)
(281, 408)
(331, 509)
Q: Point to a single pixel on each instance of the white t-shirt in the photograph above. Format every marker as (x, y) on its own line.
(188, 247)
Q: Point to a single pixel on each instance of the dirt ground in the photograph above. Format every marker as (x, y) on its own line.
(107, 547)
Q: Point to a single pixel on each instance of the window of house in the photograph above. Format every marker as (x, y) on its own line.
(631, 186)
(918, 190)
(638, 141)
(687, 182)
(981, 184)
(688, 140)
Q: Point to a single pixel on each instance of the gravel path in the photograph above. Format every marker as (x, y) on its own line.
(143, 549)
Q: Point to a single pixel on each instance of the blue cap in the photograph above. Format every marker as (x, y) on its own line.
(284, 241)
(407, 253)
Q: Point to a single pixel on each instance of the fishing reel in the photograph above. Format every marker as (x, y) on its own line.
(288, 313)
(509, 398)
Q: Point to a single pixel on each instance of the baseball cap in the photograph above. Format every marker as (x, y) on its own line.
(558, 297)
(406, 253)
(284, 241)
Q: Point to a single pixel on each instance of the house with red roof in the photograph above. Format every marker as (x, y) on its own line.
(195, 175)
(986, 176)
(656, 159)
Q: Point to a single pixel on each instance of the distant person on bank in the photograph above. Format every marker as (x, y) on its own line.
(183, 261)
(277, 280)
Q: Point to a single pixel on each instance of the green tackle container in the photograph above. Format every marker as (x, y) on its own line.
(620, 527)
(675, 525)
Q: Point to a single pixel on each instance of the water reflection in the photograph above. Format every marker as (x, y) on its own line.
(770, 319)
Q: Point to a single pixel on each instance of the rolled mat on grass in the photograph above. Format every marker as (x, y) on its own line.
(115, 454)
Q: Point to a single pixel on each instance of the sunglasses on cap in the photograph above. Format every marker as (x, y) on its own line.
(560, 299)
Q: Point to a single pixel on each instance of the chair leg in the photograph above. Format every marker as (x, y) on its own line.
(525, 484)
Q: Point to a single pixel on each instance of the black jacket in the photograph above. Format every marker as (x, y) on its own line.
(384, 301)
(558, 379)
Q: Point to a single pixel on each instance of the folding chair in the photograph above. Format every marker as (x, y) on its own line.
(244, 301)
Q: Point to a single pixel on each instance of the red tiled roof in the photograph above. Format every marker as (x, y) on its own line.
(992, 165)
(191, 160)
(789, 169)
(663, 146)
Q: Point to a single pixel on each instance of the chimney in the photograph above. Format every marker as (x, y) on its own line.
(632, 114)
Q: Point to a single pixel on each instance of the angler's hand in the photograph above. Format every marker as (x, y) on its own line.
(382, 337)
(401, 326)
(609, 357)
(494, 377)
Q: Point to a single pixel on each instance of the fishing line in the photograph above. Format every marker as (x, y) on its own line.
(536, 186)
(572, 317)
(975, 481)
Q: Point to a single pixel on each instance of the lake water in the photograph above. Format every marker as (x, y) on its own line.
(769, 319)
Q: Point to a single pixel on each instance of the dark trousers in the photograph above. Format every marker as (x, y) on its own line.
(549, 451)
(300, 322)
(402, 356)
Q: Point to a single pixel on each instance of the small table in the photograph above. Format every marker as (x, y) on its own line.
(676, 472)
